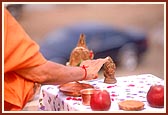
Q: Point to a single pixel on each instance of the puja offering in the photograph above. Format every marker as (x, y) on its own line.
(155, 96)
(109, 71)
(100, 100)
(80, 52)
(131, 105)
(86, 96)
(73, 88)
(128, 94)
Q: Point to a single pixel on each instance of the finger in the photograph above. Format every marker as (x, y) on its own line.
(92, 76)
(95, 76)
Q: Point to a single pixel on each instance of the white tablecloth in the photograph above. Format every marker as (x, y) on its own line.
(133, 87)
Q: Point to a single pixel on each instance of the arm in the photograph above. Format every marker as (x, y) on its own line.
(52, 73)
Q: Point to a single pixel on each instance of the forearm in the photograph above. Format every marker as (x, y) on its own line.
(52, 73)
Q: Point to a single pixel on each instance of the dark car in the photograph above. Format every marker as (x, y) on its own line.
(16, 10)
(124, 46)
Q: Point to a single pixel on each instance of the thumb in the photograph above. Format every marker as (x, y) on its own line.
(92, 76)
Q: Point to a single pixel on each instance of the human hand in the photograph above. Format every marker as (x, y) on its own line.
(93, 66)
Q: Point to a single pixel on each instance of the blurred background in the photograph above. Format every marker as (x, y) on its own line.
(39, 20)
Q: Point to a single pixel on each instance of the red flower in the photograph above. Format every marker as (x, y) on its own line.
(131, 85)
(68, 98)
(113, 95)
(91, 55)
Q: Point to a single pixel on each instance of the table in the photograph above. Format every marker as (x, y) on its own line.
(127, 87)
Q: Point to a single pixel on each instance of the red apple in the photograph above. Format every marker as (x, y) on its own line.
(155, 96)
(100, 100)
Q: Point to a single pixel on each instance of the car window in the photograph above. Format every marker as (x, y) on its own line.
(106, 40)
(94, 41)
(115, 39)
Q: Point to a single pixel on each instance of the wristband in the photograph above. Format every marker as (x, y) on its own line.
(84, 67)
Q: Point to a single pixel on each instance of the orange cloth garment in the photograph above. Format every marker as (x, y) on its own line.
(19, 52)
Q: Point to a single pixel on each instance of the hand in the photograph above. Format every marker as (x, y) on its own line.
(93, 67)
